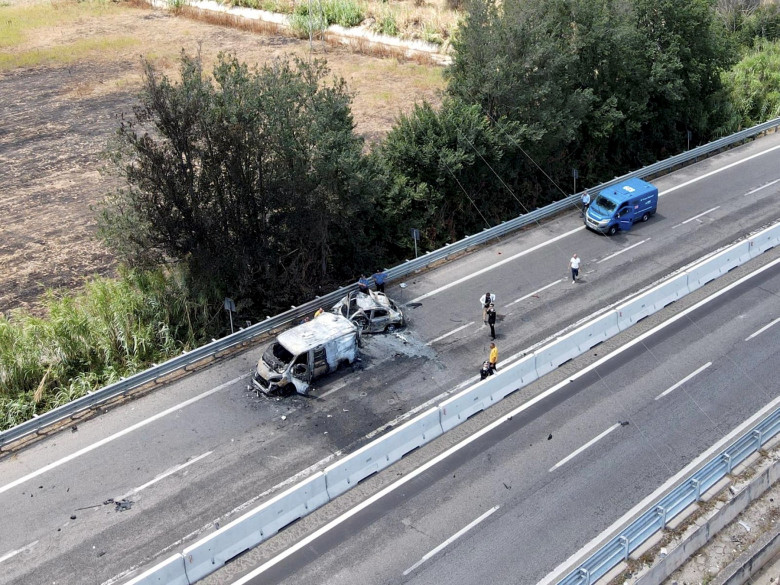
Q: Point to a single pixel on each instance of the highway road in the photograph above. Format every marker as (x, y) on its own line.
(204, 449)
(510, 505)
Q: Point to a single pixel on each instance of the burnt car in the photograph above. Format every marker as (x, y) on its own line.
(372, 312)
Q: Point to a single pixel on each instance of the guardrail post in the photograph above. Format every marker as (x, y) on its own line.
(759, 438)
(727, 457)
(697, 484)
(624, 541)
(586, 574)
(661, 511)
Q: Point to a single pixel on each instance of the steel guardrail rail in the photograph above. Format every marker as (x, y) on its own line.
(192, 357)
(660, 513)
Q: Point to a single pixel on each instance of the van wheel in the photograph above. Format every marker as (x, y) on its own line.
(389, 328)
(645, 217)
(612, 230)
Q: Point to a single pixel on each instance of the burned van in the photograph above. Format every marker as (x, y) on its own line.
(306, 352)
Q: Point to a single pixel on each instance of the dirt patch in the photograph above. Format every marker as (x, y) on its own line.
(58, 116)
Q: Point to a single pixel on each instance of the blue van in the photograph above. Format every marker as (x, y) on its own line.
(620, 206)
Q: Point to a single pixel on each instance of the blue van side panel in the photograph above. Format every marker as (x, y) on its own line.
(641, 196)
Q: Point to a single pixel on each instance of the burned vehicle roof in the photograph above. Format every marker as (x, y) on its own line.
(315, 332)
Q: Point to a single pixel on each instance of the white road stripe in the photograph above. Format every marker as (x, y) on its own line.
(760, 331)
(757, 189)
(700, 215)
(590, 443)
(115, 436)
(719, 170)
(336, 387)
(621, 251)
(684, 380)
(13, 553)
(162, 476)
(496, 265)
(461, 328)
(537, 291)
(507, 417)
(450, 540)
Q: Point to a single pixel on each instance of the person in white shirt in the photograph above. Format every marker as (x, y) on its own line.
(574, 264)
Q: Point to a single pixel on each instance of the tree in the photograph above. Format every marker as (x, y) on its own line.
(254, 180)
(754, 85)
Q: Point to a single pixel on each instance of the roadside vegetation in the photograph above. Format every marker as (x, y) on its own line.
(252, 183)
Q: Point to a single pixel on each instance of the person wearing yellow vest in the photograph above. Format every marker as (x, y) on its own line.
(493, 359)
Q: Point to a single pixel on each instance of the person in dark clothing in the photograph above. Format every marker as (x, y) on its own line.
(491, 319)
(485, 300)
(363, 284)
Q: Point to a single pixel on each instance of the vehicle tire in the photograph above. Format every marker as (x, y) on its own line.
(612, 230)
(645, 217)
(389, 328)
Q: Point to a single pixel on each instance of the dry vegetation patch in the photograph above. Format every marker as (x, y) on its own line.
(69, 69)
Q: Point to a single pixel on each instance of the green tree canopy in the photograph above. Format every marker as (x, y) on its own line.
(253, 179)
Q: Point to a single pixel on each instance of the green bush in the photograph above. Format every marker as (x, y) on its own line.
(387, 25)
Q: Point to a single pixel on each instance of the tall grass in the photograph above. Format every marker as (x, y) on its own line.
(111, 329)
(319, 14)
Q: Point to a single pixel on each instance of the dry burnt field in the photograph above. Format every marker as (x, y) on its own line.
(67, 77)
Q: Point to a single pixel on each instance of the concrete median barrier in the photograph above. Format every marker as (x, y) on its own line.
(514, 377)
(718, 265)
(380, 453)
(651, 301)
(763, 241)
(470, 401)
(169, 572)
(211, 553)
(575, 343)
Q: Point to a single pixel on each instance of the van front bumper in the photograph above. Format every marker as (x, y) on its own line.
(596, 226)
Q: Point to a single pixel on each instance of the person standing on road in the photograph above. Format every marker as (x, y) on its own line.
(491, 319)
(585, 203)
(379, 279)
(486, 300)
(493, 359)
(574, 264)
(363, 284)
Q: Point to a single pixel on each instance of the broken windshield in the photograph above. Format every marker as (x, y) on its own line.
(277, 356)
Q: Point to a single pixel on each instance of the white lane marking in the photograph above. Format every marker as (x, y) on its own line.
(577, 558)
(757, 189)
(13, 553)
(590, 443)
(621, 251)
(536, 292)
(450, 540)
(700, 215)
(462, 327)
(162, 476)
(496, 265)
(719, 170)
(507, 417)
(760, 331)
(121, 433)
(684, 380)
(338, 386)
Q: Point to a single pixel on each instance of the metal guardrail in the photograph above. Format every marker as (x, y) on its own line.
(125, 386)
(689, 492)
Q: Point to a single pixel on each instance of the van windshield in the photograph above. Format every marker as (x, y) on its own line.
(605, 204)
(277, 356)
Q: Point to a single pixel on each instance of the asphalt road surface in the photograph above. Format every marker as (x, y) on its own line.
(204, 449)
(511, 505)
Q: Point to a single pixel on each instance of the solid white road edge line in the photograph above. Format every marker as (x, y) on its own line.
(162, 476)
(719, 170)
(701, 214)
(537, 291)
(462, 327)
(496, 265)
(558, 573)
(611, 256)
(684, 380)
(555, 239)
(115, 436)
(450, 540)
(764, 328)
(495, 424)
(590, 443)
(13, 553)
